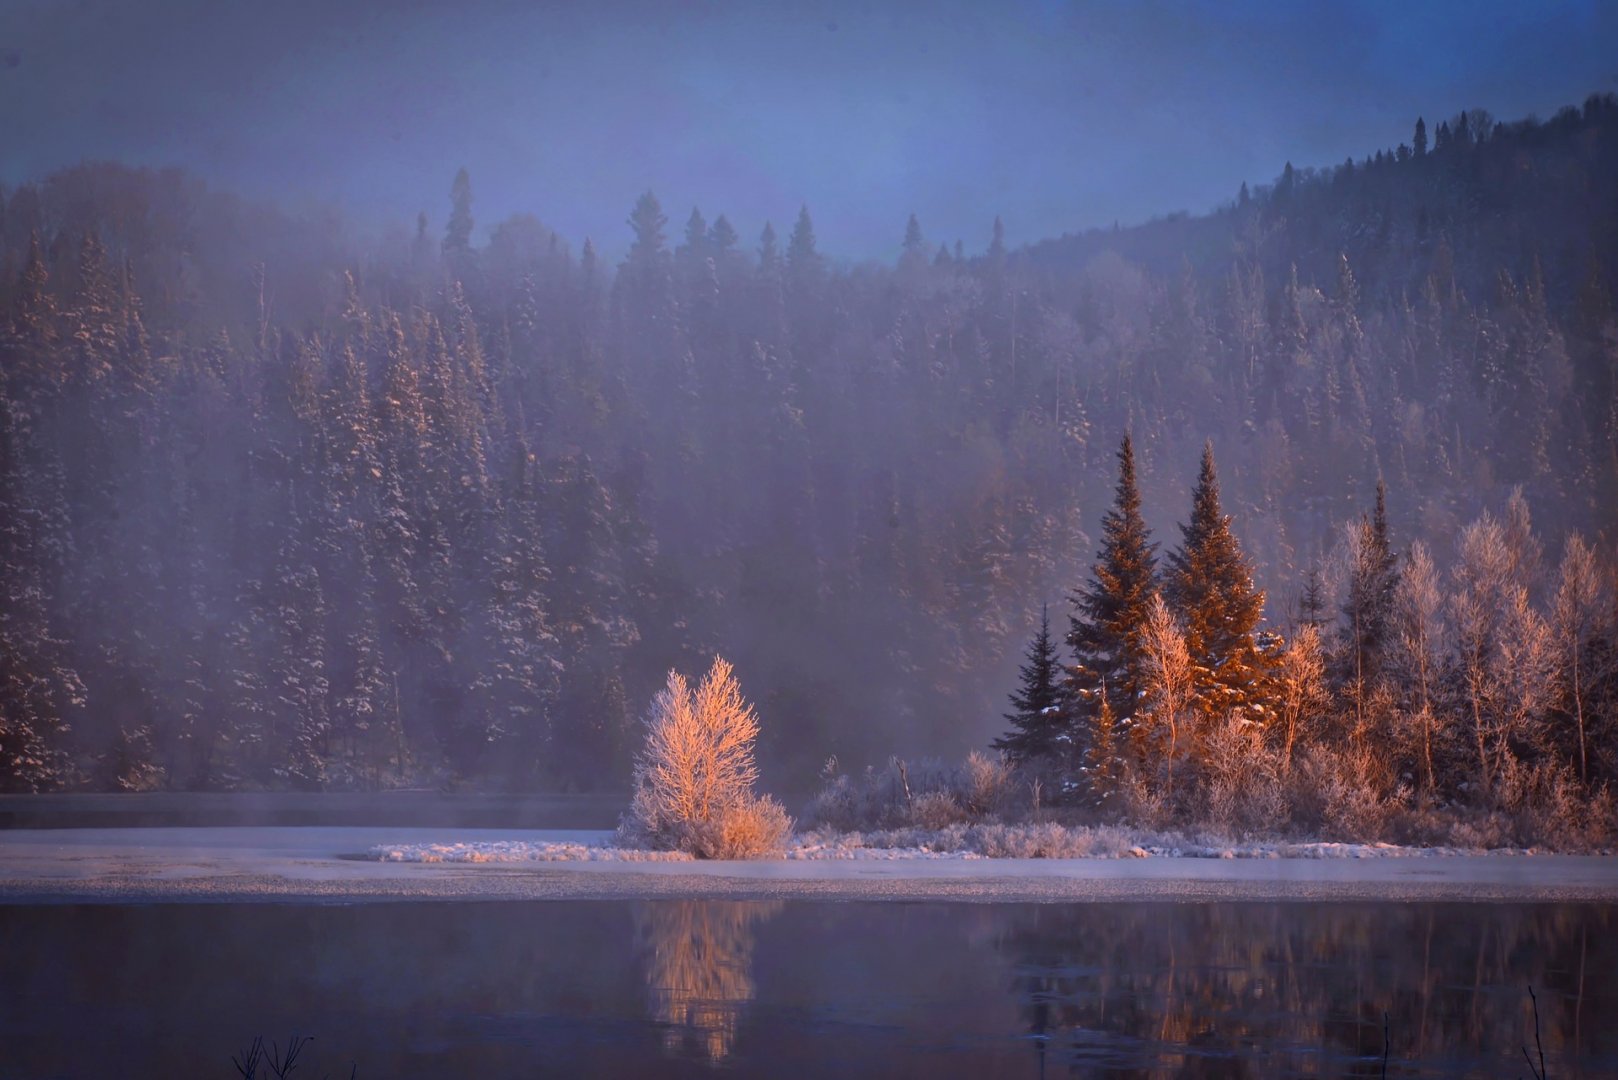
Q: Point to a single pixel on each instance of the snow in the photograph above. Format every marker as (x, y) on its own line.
(324, 864)
(852, 846)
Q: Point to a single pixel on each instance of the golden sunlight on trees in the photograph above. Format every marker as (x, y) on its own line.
(694, 778)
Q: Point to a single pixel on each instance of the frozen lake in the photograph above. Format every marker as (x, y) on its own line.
(763, 988)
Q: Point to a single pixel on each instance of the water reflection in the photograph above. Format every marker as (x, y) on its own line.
(1254, 989)
(844, 990)
(698, 957)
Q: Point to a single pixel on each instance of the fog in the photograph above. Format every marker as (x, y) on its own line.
(302, 491)
(1056, 116)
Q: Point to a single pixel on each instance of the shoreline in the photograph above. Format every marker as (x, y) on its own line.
(314, 864)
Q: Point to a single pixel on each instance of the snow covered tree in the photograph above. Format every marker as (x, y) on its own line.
(1038, 721)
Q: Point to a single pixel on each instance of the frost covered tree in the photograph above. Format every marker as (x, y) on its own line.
(694, 777)
(1038, 720)
(1579, 611)
(1168, 688)
(1480, 600)
(1301, 692)
(1418, 650)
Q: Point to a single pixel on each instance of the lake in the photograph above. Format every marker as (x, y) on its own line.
(807, 988)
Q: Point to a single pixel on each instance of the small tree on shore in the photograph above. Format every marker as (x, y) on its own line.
(694, 777)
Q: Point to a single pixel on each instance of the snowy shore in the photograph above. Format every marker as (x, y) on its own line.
(346, 864)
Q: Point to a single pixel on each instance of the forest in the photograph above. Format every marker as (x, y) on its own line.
(284, 505)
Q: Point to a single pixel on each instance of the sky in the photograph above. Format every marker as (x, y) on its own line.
(1055, 116)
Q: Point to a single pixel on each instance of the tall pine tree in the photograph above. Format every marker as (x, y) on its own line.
(1210, 587)
(1109, 616)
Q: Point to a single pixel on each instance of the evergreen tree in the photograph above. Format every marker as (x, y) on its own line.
(722, 237)
(1210, 587)
(1109, 615)
(803, 260)
(458, 232)
(913, 251)
(1038, 721)
(1372, 577)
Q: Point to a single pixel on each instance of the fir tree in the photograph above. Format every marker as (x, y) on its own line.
(722, 236)
(1101, 757)
(803, 261)
(1210, 587)
(1038, 720)
(1372, 579)
(913, 252)
(458, 232)
(1109, 616)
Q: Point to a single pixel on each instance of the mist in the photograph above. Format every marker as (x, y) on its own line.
(393, 399)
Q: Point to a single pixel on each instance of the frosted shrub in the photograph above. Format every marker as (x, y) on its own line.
(694, 778)
(1339, 793)
(984, 784)
(936, 810)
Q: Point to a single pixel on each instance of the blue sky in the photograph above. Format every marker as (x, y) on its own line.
(1057, 116)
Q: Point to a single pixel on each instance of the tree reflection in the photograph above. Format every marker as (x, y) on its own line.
(698, 957)
(1197, 990)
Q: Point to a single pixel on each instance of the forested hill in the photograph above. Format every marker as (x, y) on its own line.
(282, 506)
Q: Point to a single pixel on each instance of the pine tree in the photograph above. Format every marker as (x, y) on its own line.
(913, 252)
(1372, 577)
(458, 232)
(803, 261)
(1210, 589)
(1038, 720)
(722, 236)
(1101, 757)
(1419, 141)
(1108, 622)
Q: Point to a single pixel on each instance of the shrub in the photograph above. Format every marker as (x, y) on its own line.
(936, 810)
(694, 778)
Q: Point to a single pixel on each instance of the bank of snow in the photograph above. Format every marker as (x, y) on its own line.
(957, 842)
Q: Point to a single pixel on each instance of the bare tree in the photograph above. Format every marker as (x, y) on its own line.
(1482, 578)
(1301, 682)
(1577, 616)
(1170, 679)
(1418, 644)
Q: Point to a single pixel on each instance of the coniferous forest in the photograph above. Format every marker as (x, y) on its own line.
(1327, 477)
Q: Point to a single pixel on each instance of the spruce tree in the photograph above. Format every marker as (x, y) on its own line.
(1373, 577)
(803, 261)
(1109, 616)
(458, 232)
(1038, 717)
(1210, 587)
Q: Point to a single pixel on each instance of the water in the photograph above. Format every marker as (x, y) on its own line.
(807, 988)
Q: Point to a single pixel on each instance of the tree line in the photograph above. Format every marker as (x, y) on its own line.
(283, 505)
(1494, 685)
